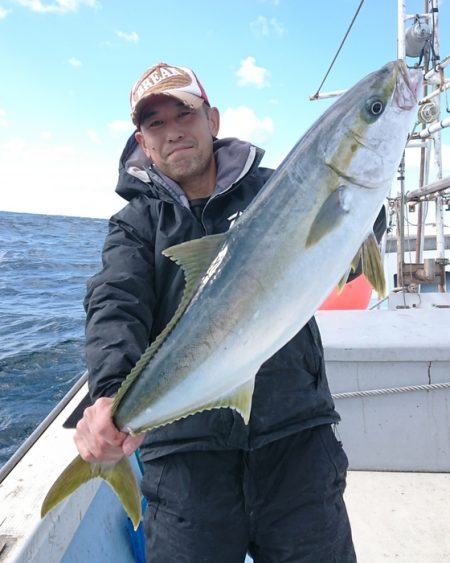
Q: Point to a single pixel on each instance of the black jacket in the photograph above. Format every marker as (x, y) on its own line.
(136, 293)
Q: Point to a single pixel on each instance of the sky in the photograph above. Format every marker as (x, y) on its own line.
(67, 67)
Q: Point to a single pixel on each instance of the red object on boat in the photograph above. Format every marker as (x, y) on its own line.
(355, 295)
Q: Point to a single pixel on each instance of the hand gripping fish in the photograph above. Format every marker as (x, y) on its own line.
(250, 290)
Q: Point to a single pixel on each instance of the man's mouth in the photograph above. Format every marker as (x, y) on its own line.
(179, 149)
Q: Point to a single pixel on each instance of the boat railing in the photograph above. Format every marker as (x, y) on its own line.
(41, 428)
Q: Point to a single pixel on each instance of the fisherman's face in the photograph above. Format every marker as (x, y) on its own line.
(178, 139)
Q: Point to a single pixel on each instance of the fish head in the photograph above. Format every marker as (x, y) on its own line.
(371, 127)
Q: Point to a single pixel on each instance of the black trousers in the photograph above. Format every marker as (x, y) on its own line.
(280, 503)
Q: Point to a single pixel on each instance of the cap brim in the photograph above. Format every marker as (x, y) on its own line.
(188, 99)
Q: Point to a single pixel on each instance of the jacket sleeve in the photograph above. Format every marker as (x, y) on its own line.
(119, 302)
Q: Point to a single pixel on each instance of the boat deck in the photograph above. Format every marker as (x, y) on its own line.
(398, 445)
(402, 517)
(395, 516)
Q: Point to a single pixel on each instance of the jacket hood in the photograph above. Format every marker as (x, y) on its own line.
(138, 175)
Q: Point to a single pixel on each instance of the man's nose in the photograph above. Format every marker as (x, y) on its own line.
(174, 132)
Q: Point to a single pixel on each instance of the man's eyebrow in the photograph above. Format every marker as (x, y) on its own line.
(150, 113)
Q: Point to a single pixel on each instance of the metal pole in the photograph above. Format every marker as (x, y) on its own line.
(440, 239)
(434, 128)
(421, 216)
(433, 75)
(429, 189)
(401, 53)
(420, 213)
(401, 9)
(401, 224)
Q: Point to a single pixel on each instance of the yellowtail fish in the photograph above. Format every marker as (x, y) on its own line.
(250, 290)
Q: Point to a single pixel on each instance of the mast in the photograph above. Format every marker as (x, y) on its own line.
(440, 239)
(418, 37)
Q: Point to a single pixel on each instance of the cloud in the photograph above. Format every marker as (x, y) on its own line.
(3, 120)
(93, 136)
(412, 157)
(59, 178)
(14, 145)
(250, 74)
(242, 122)
(121, 126)
(58, 6)
(46, 135)
(132, 37)
(3, 13)
(76, 63)
(265, 27)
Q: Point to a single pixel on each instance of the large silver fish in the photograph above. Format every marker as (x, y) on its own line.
(251, 289)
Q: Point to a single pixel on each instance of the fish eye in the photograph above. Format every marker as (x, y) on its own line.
(375, 107)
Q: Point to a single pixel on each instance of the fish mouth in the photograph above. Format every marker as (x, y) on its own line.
(408, 84)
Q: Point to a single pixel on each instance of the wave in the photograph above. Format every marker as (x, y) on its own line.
(45, 262)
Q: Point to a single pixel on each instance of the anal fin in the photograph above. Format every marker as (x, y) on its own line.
(372, 265)
(240, 399)
(367, 261)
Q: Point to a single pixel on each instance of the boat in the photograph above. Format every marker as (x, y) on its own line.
(388, 366)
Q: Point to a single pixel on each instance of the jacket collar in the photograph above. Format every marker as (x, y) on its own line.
(235, 158)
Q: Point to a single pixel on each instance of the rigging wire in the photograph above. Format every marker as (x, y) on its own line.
(316, 95)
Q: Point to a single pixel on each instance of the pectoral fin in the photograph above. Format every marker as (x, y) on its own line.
(120, 477)
(329, 215)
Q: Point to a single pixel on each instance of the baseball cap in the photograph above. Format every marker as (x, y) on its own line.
(176, 81)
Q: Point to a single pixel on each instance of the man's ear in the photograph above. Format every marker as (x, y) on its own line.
(214, 121)
(141, 141)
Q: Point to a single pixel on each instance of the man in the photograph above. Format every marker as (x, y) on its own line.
(216, 488)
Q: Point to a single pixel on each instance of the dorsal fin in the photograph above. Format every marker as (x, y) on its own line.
(194, 257)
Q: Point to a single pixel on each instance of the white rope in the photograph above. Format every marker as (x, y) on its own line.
(374, 392)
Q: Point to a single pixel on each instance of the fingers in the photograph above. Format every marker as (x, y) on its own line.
(97, 438)
(132, 443)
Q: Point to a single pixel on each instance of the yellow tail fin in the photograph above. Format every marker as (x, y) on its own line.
(120, 477)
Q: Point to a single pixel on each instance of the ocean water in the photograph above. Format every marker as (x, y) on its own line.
(45, 262)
